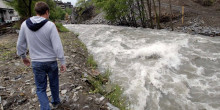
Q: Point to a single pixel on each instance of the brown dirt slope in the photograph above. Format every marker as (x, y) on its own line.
(209, 14)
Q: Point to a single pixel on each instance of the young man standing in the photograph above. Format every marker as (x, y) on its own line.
(43, 41)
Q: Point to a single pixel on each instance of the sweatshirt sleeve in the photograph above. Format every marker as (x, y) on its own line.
(22, 43)
(57, 44)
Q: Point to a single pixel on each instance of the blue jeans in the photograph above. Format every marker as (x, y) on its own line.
(41, 71)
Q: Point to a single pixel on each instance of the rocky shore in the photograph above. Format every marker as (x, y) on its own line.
(17, 87)
(196, 26)
(198, 19)
(193, 25)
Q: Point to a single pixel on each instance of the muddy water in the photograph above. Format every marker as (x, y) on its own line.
(158, 69)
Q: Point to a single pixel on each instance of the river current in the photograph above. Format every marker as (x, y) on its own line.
(158, 69)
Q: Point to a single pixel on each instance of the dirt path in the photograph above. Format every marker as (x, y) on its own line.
(17, 88)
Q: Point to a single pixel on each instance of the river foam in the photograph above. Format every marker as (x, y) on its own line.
(158, 69)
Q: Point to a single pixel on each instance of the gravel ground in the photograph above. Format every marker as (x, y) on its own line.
(17, 87)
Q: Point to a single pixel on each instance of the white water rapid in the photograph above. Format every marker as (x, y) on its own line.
(158, 69)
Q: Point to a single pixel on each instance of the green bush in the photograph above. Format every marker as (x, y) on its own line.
(115, 9)
(61, 28)
(101, 84)
(113, 92)
(91, 62)
(56, 13)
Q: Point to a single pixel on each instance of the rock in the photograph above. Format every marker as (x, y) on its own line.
(63, 91)
(17, 64)
(49, 94)
(12, 92)
(65, 86)
(78, 88)
(67, 98)
(1, 105)
(73, 56)
(89, 99)
(76, 68)
(102, 98)
(66, 57)
(97, 101)
(84, 79)
(34, 99)
(75, 97)
(27, 81)
(75, 106)
(48, 89)
(85, 74)
(68, 70)
(6, 78)
(86, 107)
(31, 107)
(22, 101)
(2, 88)
(22, 94)
(4, 102)
(33, 90)
(73, 85)
(25, 72)
(73, 50)
(64, 98)
(111, 107)
(18, 77)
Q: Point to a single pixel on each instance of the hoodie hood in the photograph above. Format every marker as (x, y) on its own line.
(36, 22)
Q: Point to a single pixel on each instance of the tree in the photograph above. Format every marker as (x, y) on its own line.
(171, 16)
(131, 15)
(130, 12)
(68, 11)
(159, 15)
(59, 14)
(117, 11)
(143, 16)
(156, 14)
(28, 5)
(25, 8)
(150, 15)
(82, 3)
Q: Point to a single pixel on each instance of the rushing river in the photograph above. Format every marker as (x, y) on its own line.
(158, 69)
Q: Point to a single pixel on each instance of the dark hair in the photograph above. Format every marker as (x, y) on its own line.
(41, 8)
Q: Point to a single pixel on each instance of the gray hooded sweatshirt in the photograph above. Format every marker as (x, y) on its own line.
(42, 39)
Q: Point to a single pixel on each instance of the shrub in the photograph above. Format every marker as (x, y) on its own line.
(91, 62)
(61, 28)
(112, 92)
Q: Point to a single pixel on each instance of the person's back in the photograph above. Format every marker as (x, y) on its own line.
(43, 41)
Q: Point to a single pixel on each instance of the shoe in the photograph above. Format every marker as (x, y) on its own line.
(54, 106)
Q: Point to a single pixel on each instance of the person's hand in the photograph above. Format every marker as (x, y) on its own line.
(26, 62)
(63, 68)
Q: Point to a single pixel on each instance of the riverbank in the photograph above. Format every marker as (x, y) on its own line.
(197, 19)
(17, 88)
